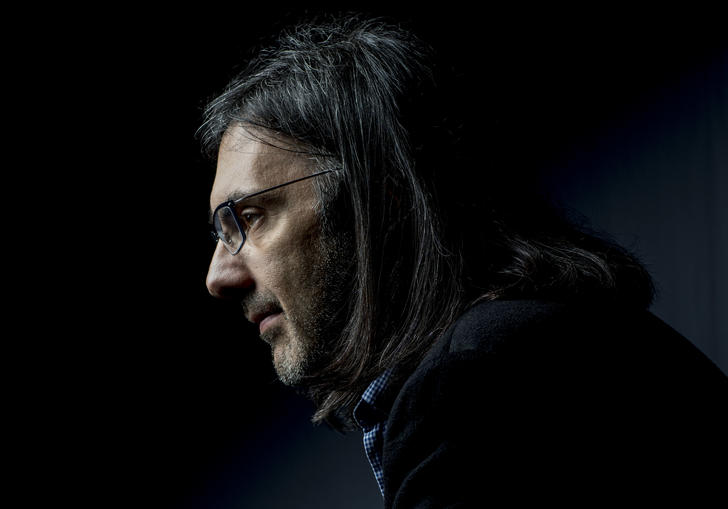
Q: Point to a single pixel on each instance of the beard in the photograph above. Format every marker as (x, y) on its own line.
(302, 342)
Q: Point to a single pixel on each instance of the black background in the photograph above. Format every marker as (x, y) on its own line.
(134, 387)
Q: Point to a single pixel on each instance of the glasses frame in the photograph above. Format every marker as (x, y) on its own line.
(231, 204)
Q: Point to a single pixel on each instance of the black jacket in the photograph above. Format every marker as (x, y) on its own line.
(537, 401)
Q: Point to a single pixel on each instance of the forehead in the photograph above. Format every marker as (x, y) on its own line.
(252, 160)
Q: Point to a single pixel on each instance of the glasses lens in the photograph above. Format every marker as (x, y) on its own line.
(227, 230)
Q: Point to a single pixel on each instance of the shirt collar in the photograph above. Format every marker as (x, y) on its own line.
(373, 407)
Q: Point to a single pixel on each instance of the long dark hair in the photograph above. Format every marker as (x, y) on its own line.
(361, 95)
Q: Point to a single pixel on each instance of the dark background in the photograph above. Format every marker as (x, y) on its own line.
(135, 387)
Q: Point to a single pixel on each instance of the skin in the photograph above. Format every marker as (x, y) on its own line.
(287, 275)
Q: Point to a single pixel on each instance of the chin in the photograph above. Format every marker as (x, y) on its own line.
(295, 354)
(289, 361)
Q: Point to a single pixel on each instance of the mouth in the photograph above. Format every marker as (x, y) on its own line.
(265, 318)
(268, 320)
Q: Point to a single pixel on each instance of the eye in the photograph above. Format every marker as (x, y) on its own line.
(249, 218)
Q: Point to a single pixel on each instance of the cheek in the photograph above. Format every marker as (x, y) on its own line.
(293, 274)
(293, 257)
(287, 258)
(299, 271)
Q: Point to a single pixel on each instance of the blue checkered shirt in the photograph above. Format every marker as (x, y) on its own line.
(371, 416)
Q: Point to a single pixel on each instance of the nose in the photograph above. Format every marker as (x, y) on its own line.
(228, 274)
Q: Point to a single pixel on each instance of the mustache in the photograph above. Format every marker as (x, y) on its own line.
(259, 303)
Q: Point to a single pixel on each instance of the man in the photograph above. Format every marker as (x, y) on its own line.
(507, 354)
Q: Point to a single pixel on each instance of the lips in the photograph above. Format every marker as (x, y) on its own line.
(264, 317)
(268, 321)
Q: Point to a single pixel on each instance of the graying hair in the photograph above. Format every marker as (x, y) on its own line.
(356, 95)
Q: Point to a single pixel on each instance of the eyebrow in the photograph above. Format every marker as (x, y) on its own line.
(238, 196)
(235, 195)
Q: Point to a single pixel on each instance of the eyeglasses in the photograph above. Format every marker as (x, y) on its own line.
(226, 224)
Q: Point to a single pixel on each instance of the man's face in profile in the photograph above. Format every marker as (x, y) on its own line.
(287, 276)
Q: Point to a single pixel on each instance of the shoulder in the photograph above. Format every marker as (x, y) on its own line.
(507, 344)
(487, 325)
(520, 327)
(592, 330)
(568, 360)
(605, 346)
(541, 358)
(524, 381)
